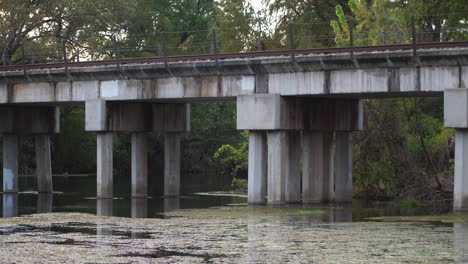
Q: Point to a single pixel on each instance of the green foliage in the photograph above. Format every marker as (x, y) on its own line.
(239, 184)
(235, 157)
(410, 204)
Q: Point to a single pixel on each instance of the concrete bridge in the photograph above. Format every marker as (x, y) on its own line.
(300, 108)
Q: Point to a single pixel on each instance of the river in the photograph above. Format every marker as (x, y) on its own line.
(74, 227)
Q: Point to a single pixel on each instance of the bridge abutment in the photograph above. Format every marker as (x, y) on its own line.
(106, 117)
(456, 116)
(283, 120)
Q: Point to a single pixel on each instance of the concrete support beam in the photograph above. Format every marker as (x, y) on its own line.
(257, 170)
(293, 176)
(104, 165)
(43, 164)
(317, 164)
(29, 119)
(172, 164)
(344, 167)
(460, 202)
(10, 163)
(277, 166)
(139, 165)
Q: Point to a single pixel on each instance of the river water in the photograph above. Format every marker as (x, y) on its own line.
(74, 227)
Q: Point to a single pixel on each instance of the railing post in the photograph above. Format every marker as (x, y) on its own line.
(77, 55)
(214, 48)
(291, 39)
(64, 51)
(164, 47)
(116, 48)
(23, 60)
(351, 37)
(413, 33)
(309, 42)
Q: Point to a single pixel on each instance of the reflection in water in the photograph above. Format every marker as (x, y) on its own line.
(139, 208)
(171, 204)
(103, 208)
(460, 241)
(10, 205)
(44, 203)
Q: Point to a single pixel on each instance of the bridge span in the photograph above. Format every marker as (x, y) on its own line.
(300, 106)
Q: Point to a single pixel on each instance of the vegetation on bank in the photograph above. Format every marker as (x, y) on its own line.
(404, 153)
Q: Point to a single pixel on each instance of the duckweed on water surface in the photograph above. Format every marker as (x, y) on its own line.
(222, 235)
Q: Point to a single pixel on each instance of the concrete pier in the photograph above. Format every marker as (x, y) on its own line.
(257, 170)
(312, 167)
(10, 163)
(343, 167)
(104, 165)
(43, 164)
(139, 166)
(460, 202)
(328, 166)
(293, 176)
(172, 164)
(139, 208)
(317, 167)
(277, 166)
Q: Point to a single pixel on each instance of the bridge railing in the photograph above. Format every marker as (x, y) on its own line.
(349, 34)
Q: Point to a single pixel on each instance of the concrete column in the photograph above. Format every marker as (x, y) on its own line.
(277, 166)
(43, 164)
(10, 163)
(312, 167)
(460, 200)
(293, 176)
(328, 167)
(139, 165)
(317, 164)
(172, 164)
(171, 204)
(10, 205)
(344, 167)
(257, 167)
(104, 165)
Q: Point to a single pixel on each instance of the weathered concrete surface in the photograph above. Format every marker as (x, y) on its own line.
(328, 166)
(275, 112)
(343, 167)
(293, 176)
(172, 164)
(312, 167)
(460, 202)
(29, 119)
(277, 166)
(43, 164)
(317, 167)
(103, 116)
(104, 207)
(95, 115)
(139, 165)
(257, 171)
(104, 144)
(10, 163)
(456, 108)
